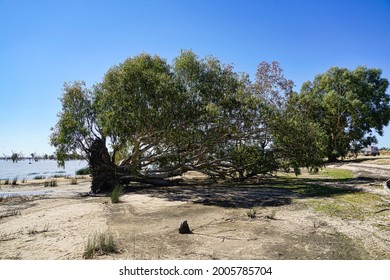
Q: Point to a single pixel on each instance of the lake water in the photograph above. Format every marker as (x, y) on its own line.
(26, 169)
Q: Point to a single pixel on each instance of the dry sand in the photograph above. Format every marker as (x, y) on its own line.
(286, 223)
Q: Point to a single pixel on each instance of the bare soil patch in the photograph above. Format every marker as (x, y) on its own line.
(307, 217)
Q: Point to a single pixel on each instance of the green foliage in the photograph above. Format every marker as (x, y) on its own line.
(154, 119)
(349, 106)
(116, 193)
(339, 174)
(76, 125)
(298, 142)
(251, 213)
(252, 160)
(100, 243)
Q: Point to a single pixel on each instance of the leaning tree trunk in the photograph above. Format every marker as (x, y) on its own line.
(102, 169)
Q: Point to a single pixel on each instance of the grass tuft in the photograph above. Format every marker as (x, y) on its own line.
(35, 231)
(100, 243)
(10, 213)
(251, 213)
(116, 193)
(51, 183)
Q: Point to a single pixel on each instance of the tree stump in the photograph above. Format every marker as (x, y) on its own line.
(101, 167)
(184, 228)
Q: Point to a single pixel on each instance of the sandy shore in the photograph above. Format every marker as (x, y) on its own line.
(286, 223)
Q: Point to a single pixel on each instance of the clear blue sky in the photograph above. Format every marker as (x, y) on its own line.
(46, 43)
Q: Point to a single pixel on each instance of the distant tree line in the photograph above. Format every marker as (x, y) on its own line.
(15, 157)
(149, 120)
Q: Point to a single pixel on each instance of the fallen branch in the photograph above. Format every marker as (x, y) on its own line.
(382, 210)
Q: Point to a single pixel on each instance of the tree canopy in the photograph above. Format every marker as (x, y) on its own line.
(149, 120)
(350, 106)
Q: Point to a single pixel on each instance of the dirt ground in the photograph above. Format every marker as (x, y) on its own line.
(322, 216)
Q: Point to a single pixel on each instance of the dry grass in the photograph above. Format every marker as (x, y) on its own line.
(101, 243)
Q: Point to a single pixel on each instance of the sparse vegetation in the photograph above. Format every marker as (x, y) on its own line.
(350, 206)
(39, 177)
(100, 243)
(116, 193)
(10, 213)
(51, 183)
(251, 213)
(336, 173)
(35, 231)
(271, 216)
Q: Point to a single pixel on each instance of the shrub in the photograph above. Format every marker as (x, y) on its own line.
(83, 171)
(15, 181)
(73, 181)
(100, 243)
(251, 213)
(271, 216)
(116, 193)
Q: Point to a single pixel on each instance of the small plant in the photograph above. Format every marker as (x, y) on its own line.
(116, 193)
(46, 227)
(32, 231)
(15, 181)
(6, 181)
(24, 180)
(51, 183)
(271, 216)
(100, 243)
(73, 181)
(251, 213)
(10, 213)
(7, 237)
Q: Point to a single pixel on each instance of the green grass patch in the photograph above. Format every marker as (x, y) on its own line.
(51, 183)
(335, 173)
(351, 206)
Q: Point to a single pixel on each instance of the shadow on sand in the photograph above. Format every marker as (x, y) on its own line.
(270, 192)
